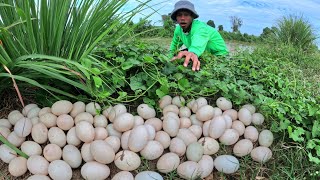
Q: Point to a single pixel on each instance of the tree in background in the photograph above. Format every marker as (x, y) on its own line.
(236, 23)
(168, 26)
(143, 25)
(267, 32)
(211, 23)
(220, 27)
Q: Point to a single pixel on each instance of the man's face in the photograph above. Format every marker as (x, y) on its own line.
(184, 19)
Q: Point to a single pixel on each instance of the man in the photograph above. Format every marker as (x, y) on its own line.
(197, 36)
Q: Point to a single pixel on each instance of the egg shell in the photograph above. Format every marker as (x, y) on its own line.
(61, 107)
(217, 127)
(148, 175)
(165, 101)
(95, 170)
(57, 136)
(114, 142)
(226, 163)
(39, 133)
(265, 138)
(138, 138)
(85, 131)
(257, 119)
(59, 169)
(245, 116)
(205, 166)
(242, 147)
(38, 165)
(93, 108)
(205, 113)
(127, 160)
(186, 136)
(163, 138)
(251, 133)
(72, 155)
(177, 146)
(123, 175)
(188, 170)
(102, 152)
(229, 137)
(194, 152)
(14, 116)
(78, 107)
(210, 145)
(145, 111)
(223, 103)
(261, 154)
(168, 162)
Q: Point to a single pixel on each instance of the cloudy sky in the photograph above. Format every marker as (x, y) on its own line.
(256, 14)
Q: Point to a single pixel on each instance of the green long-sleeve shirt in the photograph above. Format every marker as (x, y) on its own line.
(200, 38)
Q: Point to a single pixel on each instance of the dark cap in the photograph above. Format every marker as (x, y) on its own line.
(183, 4)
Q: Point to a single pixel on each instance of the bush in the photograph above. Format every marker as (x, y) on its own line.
(295, 31)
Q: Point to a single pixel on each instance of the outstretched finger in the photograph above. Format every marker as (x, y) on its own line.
(186, 61)
(179, 56)
(198, 66)
(195, 64)
(174, 58)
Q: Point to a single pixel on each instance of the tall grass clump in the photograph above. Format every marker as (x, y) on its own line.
(296, 31)
(49, 44)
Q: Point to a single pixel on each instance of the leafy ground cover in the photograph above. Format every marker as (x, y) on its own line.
(281, 81)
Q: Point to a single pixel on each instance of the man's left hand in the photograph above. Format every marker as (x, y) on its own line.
(188, 55)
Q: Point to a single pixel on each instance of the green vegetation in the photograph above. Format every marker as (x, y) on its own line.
(296, 31)
(84, 59)
(65, 54)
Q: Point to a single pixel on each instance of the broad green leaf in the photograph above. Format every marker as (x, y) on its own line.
(160, 93)
(148, 59)
(97, 81)
(296, 135)
(313, 143)
(149, 101)
(104, 94)
(284, 124)
(183, 84)
(178, 76)
(163, 81)
(137, 82)
(316, 129)
(169, 68)
(96, 71)
(126, 65)
(122, 95)
(313, 159)
(312, 109)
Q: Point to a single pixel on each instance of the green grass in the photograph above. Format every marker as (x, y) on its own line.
(61, 38)
(162, 41)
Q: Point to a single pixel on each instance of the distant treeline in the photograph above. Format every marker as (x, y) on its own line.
(144, 28)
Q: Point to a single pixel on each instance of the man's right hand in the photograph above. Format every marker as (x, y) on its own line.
(188, 55)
